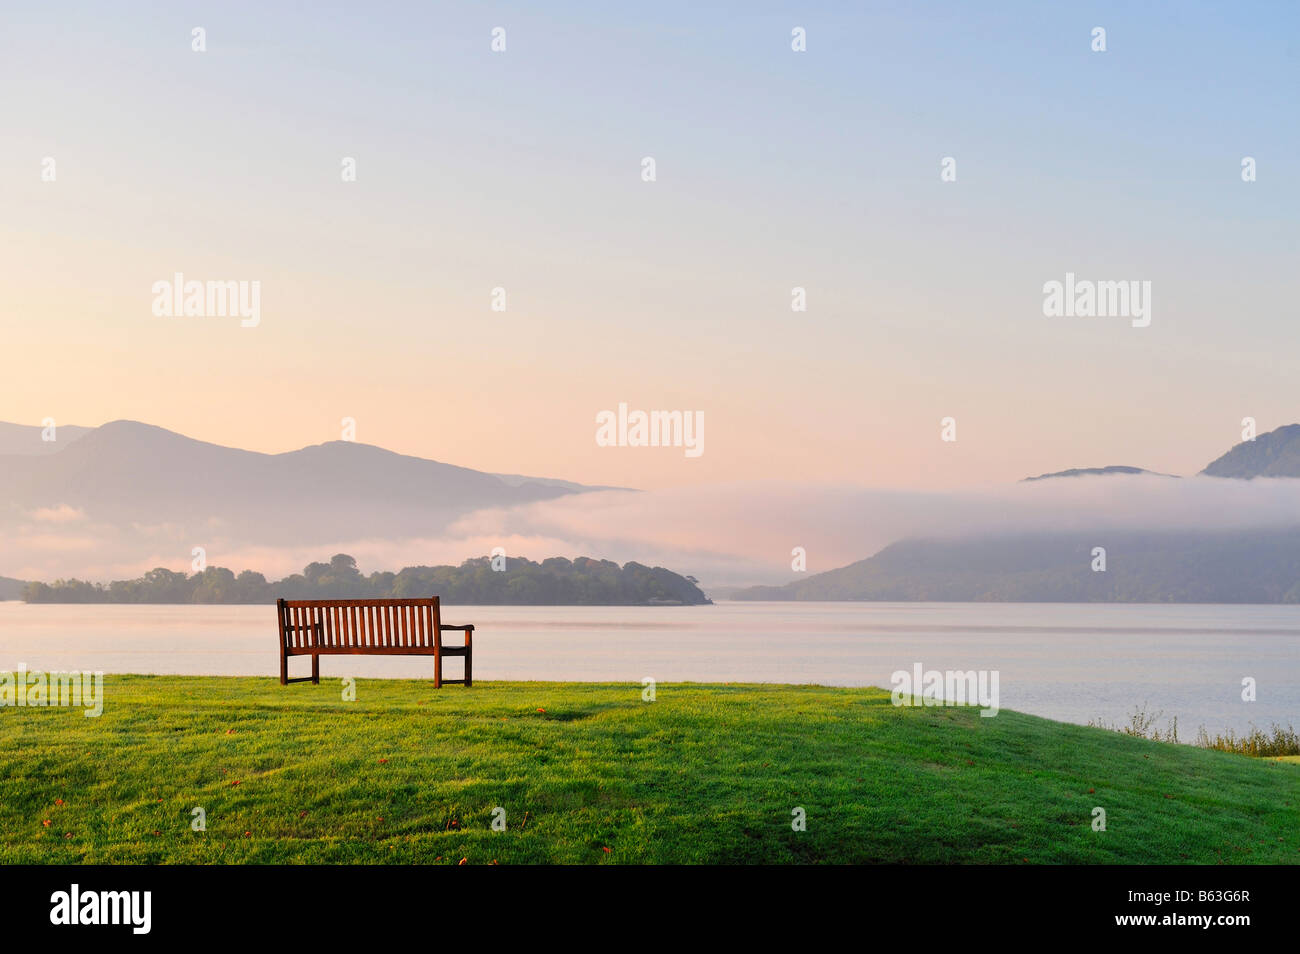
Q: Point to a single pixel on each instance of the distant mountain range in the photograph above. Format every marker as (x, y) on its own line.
(127, 493)
(131, 473)
(30, 440)
(1097, 472)
(1193, 566)
(139, 491)
(1273, 454)
(1142, 567)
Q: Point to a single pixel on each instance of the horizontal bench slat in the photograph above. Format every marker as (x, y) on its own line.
(376, 651)
(328, 604)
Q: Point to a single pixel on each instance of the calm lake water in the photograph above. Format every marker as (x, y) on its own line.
(1070, 662)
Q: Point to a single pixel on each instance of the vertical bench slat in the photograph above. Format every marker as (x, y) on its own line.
(437, 652)
(280, 613)
(437, 625)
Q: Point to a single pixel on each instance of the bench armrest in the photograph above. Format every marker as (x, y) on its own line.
(467, 629)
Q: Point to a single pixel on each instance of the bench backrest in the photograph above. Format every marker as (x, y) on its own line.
(360, 624)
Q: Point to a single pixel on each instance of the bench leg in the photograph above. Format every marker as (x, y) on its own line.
(284, 667)
(437, 670)
(469, 672)
(315, 669)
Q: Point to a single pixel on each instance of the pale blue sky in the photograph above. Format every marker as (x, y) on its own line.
(775, 169)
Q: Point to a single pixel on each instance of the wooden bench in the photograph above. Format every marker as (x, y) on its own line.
(318, 628)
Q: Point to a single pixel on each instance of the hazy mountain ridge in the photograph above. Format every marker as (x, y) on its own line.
(1141, 567)
(515, 480)
(29, 439)
(1206, 566)
(1098, 472)
(138, 477)
(1275, 454)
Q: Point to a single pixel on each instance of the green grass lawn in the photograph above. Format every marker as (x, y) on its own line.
(706, 773)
